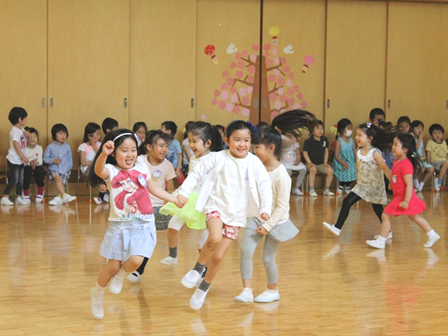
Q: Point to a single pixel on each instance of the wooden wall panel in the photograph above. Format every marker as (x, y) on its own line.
(163, 61)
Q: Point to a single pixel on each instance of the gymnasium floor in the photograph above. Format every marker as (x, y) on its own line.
(328, 286)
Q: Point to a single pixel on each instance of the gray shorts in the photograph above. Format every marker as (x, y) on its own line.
(320, 168)
(437, 164)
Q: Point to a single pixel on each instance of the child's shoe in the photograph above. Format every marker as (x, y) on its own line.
(21, 201)
(26, 198)
(340, 190)
(169, 261)
(134, 277)
(191, 279)
(39, 198)
(6, 201)
(198, 298)
(268, 296)
(348, 190)
(96, 304)
(245, 296)
(56, 201)
(438, 184)
(328, 193)
(98, 200)
(297, 192)
(106, 198)
(68, 198)
(420, 186)
(116, 284)
(432, 240)
(333, 229)
(376, 243)
(313, 193)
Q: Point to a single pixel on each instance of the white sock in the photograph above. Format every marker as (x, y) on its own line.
(430, 233)
(271, 290)
(247, 289)
(121, 273)
(381, 238)
(99, 290)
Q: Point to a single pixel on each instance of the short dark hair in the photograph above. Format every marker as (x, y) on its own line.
(17, 113)
(58, 128)
(376, 111)
(436, 127)
(417, 123)
(170, 126)
(109, 124)
(404, 119)
(151, 139)
(267, 135)
(32, 130)
(139, 124)
(237, 125)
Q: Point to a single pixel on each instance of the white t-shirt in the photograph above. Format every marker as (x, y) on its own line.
(193, 163)
(231, 193)
(289, 155)
(130, 199)
(159, 175)
(186, 142)
(16, 134)
(34, 154)
(90, 153)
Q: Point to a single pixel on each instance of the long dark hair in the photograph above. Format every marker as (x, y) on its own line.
(342, 124)
(382, 138)
(206, 131)
(293, 122)
(90, 128)
(408, 141)
(94, 180)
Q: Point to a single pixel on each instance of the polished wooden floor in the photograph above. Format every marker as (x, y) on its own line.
(328, 286)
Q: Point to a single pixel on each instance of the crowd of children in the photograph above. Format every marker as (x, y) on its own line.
(230, 178)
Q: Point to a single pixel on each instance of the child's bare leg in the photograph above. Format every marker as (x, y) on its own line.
(329, 173)
(422, 222)
(59, 185)
(428, 175)
(385, 226)
(214, 226)
(443, 169)
(173, 238)
(132, 263)
(112, 267)
(313, 171)
(217, 257)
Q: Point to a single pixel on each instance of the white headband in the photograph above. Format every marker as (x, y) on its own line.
(120, 135)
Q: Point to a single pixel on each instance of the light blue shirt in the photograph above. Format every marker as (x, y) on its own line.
(173, 151)
(63, 151)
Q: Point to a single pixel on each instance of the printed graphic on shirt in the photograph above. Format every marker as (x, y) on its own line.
(394, 178)
(156, 175)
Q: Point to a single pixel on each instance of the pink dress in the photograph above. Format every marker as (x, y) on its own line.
(416, 206)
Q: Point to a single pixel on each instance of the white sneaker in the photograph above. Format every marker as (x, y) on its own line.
(438, 185)
(116, 284)
(169, 261)
(328, 193)
(21, 201)
(39, 198)
(268, 296)
(313, 193)
(96, 304)
(198, 298)
(376, 243)
(191, 279)
(389, 236)
(348, 190)
(26, 198)
(245, 296)
(68, 198)
(98, 200)
(134, 277)
(56, 201)
(297, 192)
(420, 186)
(431, 240)
(416, 183)
(106, 198)
(6, 201)
(333, 229)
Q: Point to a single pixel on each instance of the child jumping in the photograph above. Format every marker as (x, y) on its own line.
(370, 186)
(131, 235)
(405, 201)
(277, 229)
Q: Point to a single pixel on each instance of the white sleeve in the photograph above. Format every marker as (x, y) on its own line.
(264, 186)
(199, 172)
(283, 187)
(81, 148)
(39, 156)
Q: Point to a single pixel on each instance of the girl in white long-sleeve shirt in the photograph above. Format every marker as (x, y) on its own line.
(233, 179)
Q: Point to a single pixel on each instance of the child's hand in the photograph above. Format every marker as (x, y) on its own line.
(345, 165)
(264, 216)
(33, 163)
(181, 201)
(261, 231)
(108, 147)
(103, 188)
(311, 165)
(26, 134)
(297, 163)
(421, 135)
(57, 161)
(25, 160)
(327, 165)
(178, 173)
(404, 205)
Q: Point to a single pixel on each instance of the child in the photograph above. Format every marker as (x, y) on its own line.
(236, 185)
(140, 130)
(290, 158)
(370, 186)
(187, 153)
(204, 138)
(58, 155)
(315, 152)
(90, 145)
(377, 116)
(279, 228)
(344, 164)
(405, 200)
(16, 155)
(222, 131)
(417, 129)
(174, 151)
(34, 167)
(162, 175)
(404, 124)
(131, 235)
(436, 152)
(109, 124)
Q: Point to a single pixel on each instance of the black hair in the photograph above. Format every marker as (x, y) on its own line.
(417, 123)
(151, 139)
(187, 128)
(93, 179)
(317, 124)
(237, 125)
(382, 138)
(436, 127)
(376, 111)
(17, 113)
(293, 122)
(139, 124)
(221, 128)
(58, 128)
(342, 125)
(32, 130)
(404, 119)
(267, 135)
(205, 131)
(170, 126)
(109, 124)
(90, 128)
(262, 124)
(408, 141)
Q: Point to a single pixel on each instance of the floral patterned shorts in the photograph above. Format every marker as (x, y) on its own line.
(228, 231)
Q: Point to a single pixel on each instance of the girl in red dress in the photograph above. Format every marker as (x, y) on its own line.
(405, 200)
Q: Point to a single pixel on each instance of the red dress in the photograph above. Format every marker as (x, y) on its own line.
(416, 206)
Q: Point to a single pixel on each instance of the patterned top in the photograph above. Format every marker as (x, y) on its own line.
(347, 155)
(370, 186)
